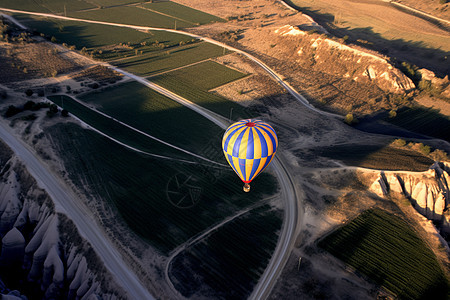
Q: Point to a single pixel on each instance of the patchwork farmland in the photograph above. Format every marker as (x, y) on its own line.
(165, 201)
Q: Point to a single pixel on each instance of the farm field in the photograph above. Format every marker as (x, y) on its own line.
(423, 120)
(157, 115)
(96, 37)
(182, 12)
(144, 189)
(376, 157)
(115, 129)
(386, 249)
(223, 261)
(163, 61)
(47, 6)
(131, 15)
(193, 83)
(112, 2)
(372, 19)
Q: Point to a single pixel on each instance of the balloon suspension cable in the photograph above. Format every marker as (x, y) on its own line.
(246, 188)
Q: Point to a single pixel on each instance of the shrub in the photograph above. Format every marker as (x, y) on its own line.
(392, 113)
(11, 111)
(30, 105)
(65, 113)
(350, 119)
(53, 39)
(29, 92)
(399, 142)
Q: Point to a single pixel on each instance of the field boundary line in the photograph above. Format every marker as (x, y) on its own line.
(143, 133)
(179, 68)
(166, 15)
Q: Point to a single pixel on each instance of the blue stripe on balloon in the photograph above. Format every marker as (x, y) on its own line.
(242, 167)
(263, 142)
(272, 138)
(237, 143)
(230, 159)
(225, 147)
(250, 145)
(256, 163)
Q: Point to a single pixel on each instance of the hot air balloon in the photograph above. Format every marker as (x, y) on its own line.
(249, 147)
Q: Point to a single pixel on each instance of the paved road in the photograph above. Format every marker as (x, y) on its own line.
(67, 202)
(290, 195)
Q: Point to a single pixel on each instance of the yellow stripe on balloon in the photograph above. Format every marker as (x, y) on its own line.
(248, 168)
(244, 142)
(237, 167)
(261, 165)
(233, 140)
(257, 144)
(269, 142)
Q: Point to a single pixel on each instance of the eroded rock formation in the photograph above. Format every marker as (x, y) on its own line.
(428, 191)
(33, 250)
(335, 58)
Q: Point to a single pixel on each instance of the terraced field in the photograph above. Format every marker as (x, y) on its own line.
(386, 249)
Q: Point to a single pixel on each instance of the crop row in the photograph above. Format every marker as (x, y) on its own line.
(139, 186)
(231, 260)
(387, 250)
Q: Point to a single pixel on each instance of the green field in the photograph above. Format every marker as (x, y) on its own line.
(387, 250)
(205, 75)
(230, 260)
(112, 2)
(157, 115)
(154, 63)
(47, 6)
(377, 157)
(193, 83)
(116, 130)
(143, 188)
(99, 37)
(423, 120)
(183, 12)
(131, 16)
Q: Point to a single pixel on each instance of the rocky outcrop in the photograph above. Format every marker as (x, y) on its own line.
(428, 191)
(30, 233)
(332, 57)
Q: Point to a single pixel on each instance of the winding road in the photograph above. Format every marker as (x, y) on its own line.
(68, 202)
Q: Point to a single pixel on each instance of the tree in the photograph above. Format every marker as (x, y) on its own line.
(29, 92)
(53, 39)
(65, 113)
(11, 111)
(30, 105)
(350, 119)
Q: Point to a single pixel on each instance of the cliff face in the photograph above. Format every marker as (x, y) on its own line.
(34, 257)
(334, 58)
(428, 191)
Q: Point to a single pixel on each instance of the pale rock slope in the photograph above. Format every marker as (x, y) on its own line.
(335, 58)
(428, 191)
(31, 233)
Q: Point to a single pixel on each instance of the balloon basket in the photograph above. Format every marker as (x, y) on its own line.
(246, 188)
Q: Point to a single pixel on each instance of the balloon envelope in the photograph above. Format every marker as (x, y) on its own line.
(249, 147)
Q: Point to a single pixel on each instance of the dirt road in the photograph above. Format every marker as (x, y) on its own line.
(68, 203)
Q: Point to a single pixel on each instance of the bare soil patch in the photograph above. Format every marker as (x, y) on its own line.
(33, 60)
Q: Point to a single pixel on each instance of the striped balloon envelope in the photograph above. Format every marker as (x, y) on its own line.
(249, 147)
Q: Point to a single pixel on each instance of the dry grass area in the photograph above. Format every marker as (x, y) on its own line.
(33, 60)
(432, 7)
(100, 74)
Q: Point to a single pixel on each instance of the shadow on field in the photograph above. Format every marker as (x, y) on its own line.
(416, 53)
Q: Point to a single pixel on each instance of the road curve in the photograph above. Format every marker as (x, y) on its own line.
(291, 219)
(68, 203)
(271, 72)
